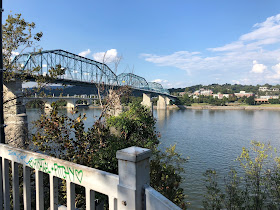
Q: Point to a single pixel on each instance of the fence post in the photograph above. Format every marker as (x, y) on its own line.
(134, 173)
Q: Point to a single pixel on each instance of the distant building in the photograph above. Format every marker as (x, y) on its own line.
(221, 96)
(261, 101)
(243, 93)
(269, 97)
(218, 96)
(263, 89)
(182, 93)
(204, 92)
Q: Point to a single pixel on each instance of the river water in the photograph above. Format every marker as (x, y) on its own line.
(212, 139)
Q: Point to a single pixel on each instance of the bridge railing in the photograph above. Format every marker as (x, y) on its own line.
(127, 191)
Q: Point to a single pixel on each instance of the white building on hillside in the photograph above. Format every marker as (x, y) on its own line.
(264, 88)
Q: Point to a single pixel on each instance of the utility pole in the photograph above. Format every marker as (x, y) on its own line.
(2, 133)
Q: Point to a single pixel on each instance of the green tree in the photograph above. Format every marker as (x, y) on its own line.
(185, 100)
(18, 35)
(250, 100)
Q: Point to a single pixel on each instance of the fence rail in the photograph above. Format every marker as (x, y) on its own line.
(125, 191)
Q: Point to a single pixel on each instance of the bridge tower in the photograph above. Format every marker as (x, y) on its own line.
(15, 118)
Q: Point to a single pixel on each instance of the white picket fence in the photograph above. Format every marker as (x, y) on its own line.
(127, 191)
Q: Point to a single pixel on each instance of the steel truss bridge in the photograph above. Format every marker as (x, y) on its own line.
(79, 70)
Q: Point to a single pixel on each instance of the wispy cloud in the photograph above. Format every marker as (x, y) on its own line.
(85, 53)
(262, 44)
(166, 84)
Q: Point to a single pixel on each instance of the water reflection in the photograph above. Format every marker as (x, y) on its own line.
(162, 115)
(198, 111)
(249, 112)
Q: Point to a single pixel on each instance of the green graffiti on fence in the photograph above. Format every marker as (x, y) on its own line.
(61, 171)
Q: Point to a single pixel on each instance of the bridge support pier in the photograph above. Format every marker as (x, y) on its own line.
(167, 100)
(70, 103)
(147, 101)
(48, 104)
(15, 118)
(161, 103)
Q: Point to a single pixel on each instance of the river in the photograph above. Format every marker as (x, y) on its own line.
(212, 139)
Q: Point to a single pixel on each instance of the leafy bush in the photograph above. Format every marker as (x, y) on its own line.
(256, 185)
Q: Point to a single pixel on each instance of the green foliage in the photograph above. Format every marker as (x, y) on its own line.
(223, 88)
(214, 196)
(127, 99)
(274, 101)
(256, 185)
(35, 104)
(61, 103)
(136, 125)
(165, 175)
(185, 100)
(17, 33)
(250, 100)
(81, 101)
(66, 138)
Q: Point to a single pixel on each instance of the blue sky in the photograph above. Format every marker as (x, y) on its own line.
(177, 43)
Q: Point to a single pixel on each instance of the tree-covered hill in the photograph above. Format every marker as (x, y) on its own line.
(224, 88)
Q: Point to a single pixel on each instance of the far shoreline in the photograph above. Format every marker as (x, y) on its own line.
(200, 107)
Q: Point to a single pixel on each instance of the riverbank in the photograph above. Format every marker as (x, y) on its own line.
(255, 107)
(198, 107)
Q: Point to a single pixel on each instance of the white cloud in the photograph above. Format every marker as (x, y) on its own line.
(267, 29)
(159, 80)
(106, 57)
(276, 68)
(276, 74)
(228, 47)
(234, 59)
(258, 68)
(15, 53)
(235, 82)
(85, 53)
(164, 83)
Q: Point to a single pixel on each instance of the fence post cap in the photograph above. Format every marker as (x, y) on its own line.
(134, 154)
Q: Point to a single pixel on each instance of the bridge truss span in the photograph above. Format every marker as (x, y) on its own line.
(157, 87)
(76, 67)
(132, 80)
(78, 70)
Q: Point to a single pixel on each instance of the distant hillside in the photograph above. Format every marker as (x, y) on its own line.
(225, 88)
